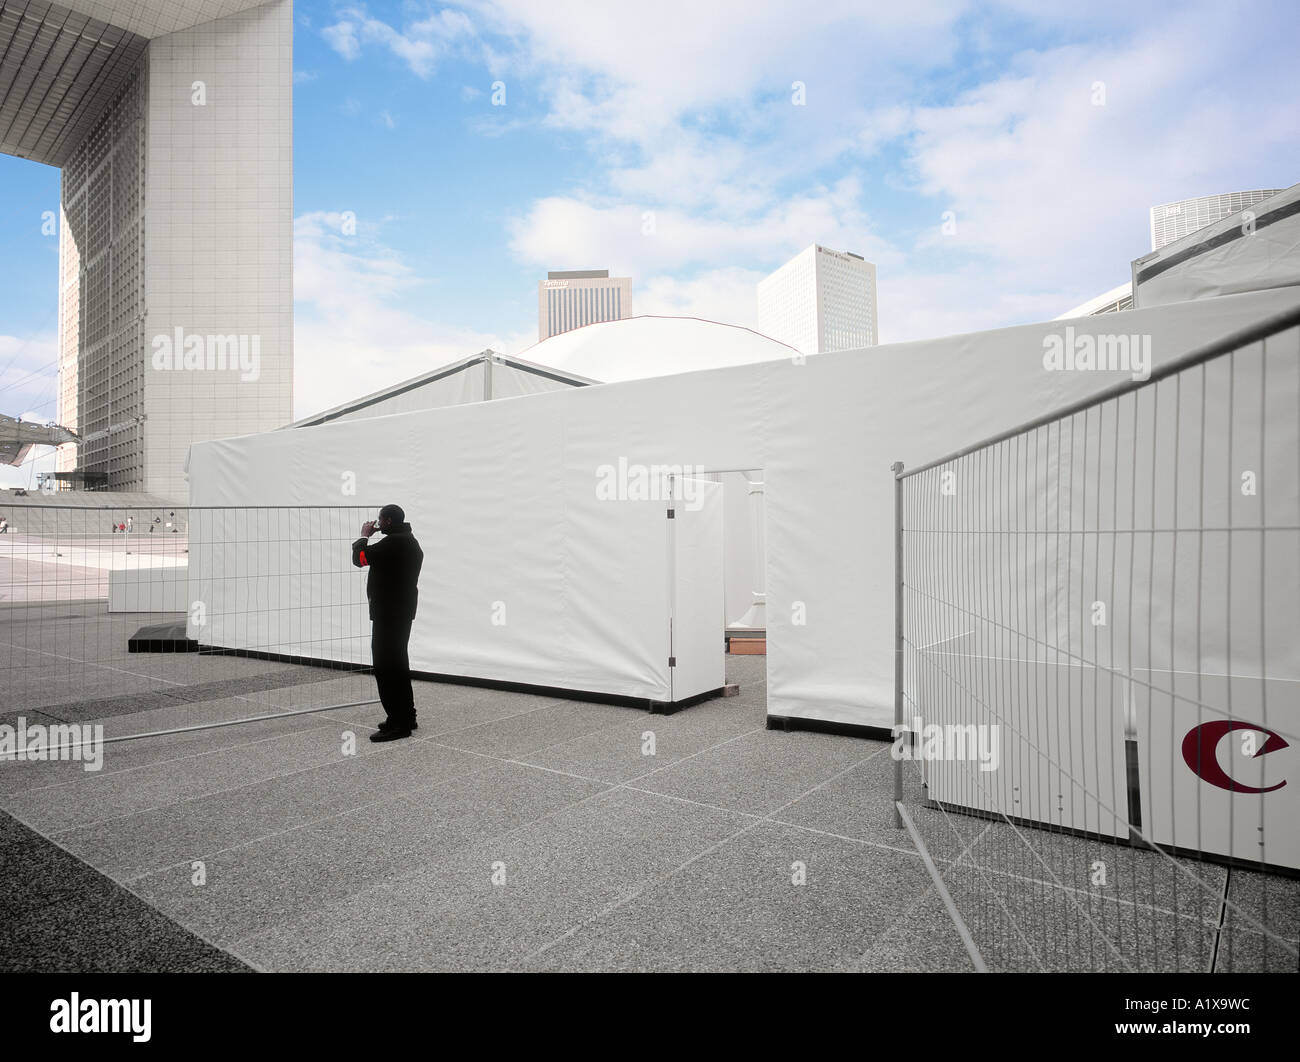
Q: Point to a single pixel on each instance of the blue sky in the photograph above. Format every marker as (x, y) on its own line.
(686, 113)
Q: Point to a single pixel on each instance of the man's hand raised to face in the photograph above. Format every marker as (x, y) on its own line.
(368, 529)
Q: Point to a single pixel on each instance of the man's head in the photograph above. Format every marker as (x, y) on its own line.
(389, 517)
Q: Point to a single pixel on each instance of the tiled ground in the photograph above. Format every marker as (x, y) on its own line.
(526, 832)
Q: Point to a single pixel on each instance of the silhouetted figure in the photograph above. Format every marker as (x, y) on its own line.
(394, 562)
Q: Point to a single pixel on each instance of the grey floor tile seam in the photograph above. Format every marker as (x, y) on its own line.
(126, 887)
(263, 838)
(929, 891)
(627, 783)
(700, 752)
(91, 664)
(865, 841)
(687, 800)
(236, 788)
(641, 887)
(548, 770)
(634, 891)
(520, 715)
(780, 822)
(471, 726)
(575, 738)
(163, 763)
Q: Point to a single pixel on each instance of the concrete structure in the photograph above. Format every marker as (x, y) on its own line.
(172, 124)
(1173, 221)
(568, 300)
(819, 301)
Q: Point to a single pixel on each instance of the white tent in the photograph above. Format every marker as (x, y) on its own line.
(506, 499)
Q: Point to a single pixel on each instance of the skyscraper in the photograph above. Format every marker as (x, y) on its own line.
(1173, 221)
(171, 124)
(578, 297)
(821, 300)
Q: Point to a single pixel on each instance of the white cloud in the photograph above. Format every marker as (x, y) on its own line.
(578, 233)
(342, 37)
(420, 46)
(1050, 187)
(630, 71)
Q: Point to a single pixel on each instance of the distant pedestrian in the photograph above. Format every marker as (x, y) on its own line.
(394, 562)
(4, 526)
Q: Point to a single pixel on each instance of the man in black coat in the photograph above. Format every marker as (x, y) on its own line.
(394, 562)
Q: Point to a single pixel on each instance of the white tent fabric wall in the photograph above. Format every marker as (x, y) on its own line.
(503, 498)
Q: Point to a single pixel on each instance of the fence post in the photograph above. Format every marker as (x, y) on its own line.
(897, 468)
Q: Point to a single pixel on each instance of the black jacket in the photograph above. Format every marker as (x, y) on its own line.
(394, 562)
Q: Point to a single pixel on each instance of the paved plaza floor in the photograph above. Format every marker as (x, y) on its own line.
(521, 831)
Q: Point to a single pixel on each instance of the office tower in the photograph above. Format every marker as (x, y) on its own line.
(567, 300)
(821, 300)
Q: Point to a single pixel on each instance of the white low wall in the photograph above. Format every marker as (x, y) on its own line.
(149, 589)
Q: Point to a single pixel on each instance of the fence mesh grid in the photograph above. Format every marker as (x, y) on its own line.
(152, 619)
(1098, 670)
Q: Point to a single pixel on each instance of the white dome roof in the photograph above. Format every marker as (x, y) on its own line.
(640, 347)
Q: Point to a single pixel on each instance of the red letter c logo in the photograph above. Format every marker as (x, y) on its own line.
(1201, 746)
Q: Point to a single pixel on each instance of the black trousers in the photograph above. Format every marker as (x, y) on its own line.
(389, 639)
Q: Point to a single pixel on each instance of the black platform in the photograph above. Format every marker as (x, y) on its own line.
(162, 638)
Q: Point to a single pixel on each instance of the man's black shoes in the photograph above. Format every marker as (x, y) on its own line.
(389, 734)
(387, 725)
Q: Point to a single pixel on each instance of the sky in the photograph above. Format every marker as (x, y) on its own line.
(996, 161)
